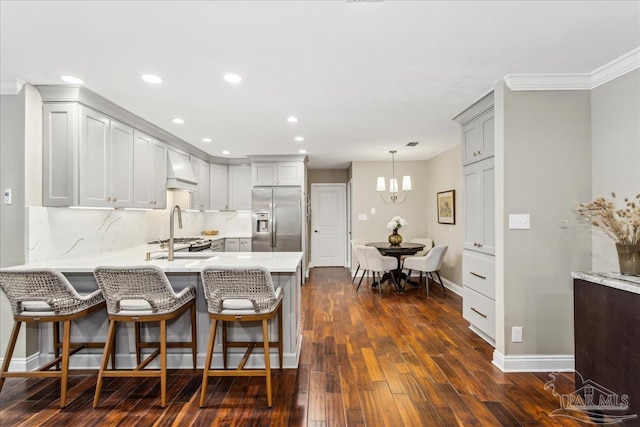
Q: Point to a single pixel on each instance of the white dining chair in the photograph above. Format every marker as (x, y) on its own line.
(429, 264)
(354, 243)
(372, 260)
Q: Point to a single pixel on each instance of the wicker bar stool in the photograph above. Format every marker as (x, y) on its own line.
(241, 294)
(47, 296)
(142, 294)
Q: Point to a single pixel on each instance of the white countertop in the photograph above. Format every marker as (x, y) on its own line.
(612, 280)
(275, 262)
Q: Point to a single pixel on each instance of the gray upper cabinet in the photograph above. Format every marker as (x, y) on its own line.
(277, 173)
(60, 155)
(218, 186)
(200, 197)
(150, 172)
(240, 187)
(477, 139)
(105, 161)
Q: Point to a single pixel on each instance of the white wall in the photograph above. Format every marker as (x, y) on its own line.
(615, 144)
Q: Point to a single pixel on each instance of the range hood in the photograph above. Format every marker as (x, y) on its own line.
(179, 172)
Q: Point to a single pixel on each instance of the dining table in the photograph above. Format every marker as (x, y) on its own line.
(397, 251)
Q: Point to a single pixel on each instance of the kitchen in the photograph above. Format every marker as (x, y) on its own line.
(609, 112)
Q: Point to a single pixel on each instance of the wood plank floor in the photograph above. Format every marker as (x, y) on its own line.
(367, 360)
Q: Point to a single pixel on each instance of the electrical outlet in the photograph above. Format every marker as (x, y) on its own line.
(516, 334)
(362, 217)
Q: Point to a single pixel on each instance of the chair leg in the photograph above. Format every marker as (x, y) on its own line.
(441, 283)
(56, 341)
(194, 335)
(406, 280)
(163, 363)
(362, 277)
(113, 346)
(280, 340)
(66, 340)
(267, 361)
(9, 353)
(224, 344)
(420, 280)
(105, 359)
(355, 274)
(137, 327)
(207, 362)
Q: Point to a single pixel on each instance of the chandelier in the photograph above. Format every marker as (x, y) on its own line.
(393, 184)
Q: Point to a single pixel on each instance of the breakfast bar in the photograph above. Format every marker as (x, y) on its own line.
(285, 269)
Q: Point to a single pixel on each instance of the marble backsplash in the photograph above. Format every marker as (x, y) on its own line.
(66, 233)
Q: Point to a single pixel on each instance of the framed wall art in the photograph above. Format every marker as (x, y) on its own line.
(447, 207)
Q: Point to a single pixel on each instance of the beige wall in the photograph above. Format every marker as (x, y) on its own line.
(546, 165)
(444, 172)
(615, 144)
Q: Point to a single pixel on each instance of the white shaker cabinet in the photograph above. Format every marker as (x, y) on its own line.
(218, 186)
(479, 206)
(231, 245)
(277, 173)
(239, 187)
(245, 245)
(150, 172)
(200, 197)
(477, 138)
(60, 155)
(106, 161)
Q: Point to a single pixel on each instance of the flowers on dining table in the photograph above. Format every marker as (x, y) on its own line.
(396, 223)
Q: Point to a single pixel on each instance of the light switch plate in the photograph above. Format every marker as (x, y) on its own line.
(7, 196)
(519, 222)
(373, 211)
(362, 217)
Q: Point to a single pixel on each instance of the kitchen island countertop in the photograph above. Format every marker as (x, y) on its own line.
(275, 262)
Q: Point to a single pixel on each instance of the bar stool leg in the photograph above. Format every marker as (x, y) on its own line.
(163, 363)
(105, 359)
(66, 340)
(207, 363)
(194, 337)
(267, 362)
(224, 344)
(138, 326)
(9, 353)
(280, 340)
(56, 341)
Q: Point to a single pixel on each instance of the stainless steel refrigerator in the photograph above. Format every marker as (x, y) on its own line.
(277, 219)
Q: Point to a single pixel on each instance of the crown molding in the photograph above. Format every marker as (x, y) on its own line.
(578, 81)
(11, 86)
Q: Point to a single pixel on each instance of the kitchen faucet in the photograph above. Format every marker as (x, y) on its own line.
(175, 207)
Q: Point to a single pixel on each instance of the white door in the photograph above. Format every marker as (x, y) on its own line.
(328, 224)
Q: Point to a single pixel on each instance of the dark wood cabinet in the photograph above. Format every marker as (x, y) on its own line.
(607, 341)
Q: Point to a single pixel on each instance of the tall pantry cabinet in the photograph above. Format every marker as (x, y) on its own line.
(478, 258)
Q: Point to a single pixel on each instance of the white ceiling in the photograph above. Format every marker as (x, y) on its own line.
(363, 78)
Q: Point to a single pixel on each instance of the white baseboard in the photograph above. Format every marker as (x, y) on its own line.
(20, 364)
(533, 362)
(454, 287)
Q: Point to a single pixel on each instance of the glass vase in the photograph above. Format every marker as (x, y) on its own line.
(395, 238)
(629, 259)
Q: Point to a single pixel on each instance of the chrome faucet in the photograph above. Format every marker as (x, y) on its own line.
(173, 209)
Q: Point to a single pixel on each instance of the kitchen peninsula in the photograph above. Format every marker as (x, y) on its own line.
(285, 268)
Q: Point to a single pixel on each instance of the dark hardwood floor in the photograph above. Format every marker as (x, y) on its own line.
(367, 360)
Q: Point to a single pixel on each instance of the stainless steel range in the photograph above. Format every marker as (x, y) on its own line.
(195, 244)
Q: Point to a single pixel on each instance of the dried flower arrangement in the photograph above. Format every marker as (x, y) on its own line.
(621, 224)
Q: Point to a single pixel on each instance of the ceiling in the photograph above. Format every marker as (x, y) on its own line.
(362, 77)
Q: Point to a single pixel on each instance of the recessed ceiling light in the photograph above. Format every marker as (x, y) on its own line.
(292, 119)
(232, 78)
(226, 153)
(178, 121)
(72, 80)
(299, 138)
(302, 151)
(206, 140)
(150, 78)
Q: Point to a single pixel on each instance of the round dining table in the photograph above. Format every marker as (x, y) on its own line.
(397, 251)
